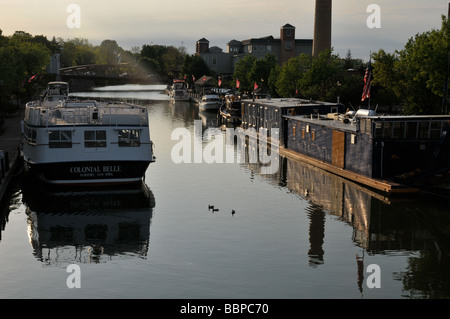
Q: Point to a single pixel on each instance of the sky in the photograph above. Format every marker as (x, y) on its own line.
(133, 23)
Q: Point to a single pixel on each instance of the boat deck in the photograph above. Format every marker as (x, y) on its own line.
(86, 113)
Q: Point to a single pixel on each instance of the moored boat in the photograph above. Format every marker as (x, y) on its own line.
(230, 110)
(210, 102)
(86, 142)
(178, 91)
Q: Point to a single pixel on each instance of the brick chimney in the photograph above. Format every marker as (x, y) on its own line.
(322, 27)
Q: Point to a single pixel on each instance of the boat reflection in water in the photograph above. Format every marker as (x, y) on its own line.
(88, 226)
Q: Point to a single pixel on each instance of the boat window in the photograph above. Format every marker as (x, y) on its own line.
(411, 129)
(378, 130)
(423, 129)
(30, 135)
(365, 125)
(435, 129)
(129, 138)
(387, 130)
(399, 129)
(94, 138)
(60, 139)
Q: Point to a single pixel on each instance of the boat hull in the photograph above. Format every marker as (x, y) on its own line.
(209, 106)
(89, 172)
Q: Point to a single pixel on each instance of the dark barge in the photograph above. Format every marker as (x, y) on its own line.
(388, 153)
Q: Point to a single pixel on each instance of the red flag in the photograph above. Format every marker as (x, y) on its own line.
(367, 82)
(193, 78)
(238, 84)
(32, 78)
(255, 87)
(220, 81)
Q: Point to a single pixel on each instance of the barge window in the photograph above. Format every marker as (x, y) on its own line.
(378, 130)
(435, 129)
(411, 129)
(129, 138)
(60, 139)
(424, 128)
(94, 138)
(399, 129)
(387, 130)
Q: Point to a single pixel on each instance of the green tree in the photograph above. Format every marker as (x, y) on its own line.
(318, 80)
(108, 52)
(77, 51)
(417, 73)
(290, 75)
(150, 66)
(241, 71)
(20, 58)
(260, 70)
(194, 65)
(172, 62)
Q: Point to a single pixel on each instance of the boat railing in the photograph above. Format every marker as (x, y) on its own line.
(86, 113)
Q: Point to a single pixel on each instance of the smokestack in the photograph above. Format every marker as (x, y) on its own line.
(322, 27)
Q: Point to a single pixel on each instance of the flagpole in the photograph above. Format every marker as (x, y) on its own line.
(370, 66)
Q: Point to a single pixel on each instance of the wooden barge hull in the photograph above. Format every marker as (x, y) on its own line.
(383, 185)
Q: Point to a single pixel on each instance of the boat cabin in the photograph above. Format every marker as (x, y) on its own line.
(374, 146)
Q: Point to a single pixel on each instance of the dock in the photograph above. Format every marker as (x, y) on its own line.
(10, 139)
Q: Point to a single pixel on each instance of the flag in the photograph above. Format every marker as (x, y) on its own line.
(220, 81)
(255, 87)
(32, 78)
(238, 84)
(193, 78)
(367, 82)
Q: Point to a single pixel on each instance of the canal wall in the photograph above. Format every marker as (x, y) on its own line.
(10, 139)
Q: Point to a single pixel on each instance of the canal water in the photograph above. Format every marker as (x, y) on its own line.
(299, 233)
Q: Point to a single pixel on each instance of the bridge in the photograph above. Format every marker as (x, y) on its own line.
(83, 77)
(108, 71)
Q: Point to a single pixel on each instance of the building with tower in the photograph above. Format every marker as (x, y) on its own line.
(283, 48)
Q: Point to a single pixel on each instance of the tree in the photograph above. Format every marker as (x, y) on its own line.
(291, 73)
(241, 70)
(108, 52)
(194, 65)
(21, 57)
(320, 77)
(260, 70)
(417, 73)
(77, 51)
(172, 62)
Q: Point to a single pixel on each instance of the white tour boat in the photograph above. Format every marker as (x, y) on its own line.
(86, 142)
(210, 102)
(179, 91)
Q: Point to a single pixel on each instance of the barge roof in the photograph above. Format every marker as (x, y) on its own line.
(288, 102)
(325, 121)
